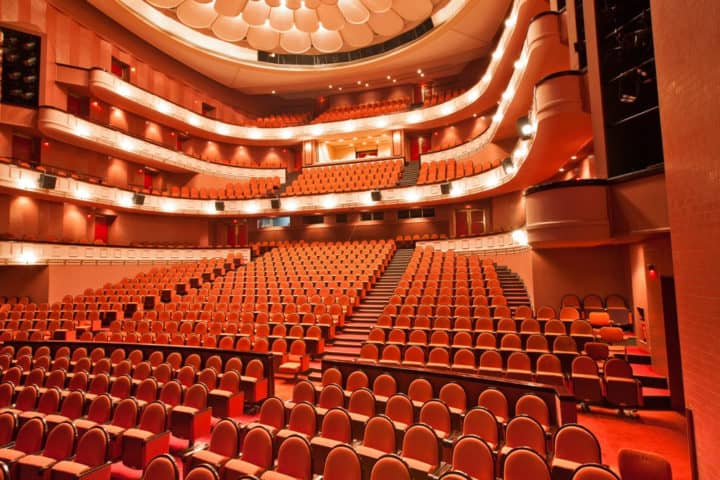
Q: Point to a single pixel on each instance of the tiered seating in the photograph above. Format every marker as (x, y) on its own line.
(363, 110)
(441, 96)
(250, 188)
(97, 307)
(347, 178)
(613, 310)
(432, 432)
(283, 120)
(444, 170)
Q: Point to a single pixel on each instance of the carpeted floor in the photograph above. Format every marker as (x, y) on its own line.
(661, 432)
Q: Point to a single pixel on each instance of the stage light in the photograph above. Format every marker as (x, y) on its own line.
(525, 128)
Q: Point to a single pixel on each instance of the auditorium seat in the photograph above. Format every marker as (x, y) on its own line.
(256, 457)
(573, 445)
(474, 457)
(639, 465)
(342, 463)
(336, 429)
(224, 445)
(294, 461)
(522, 463)
(622, 390)
(59, 445)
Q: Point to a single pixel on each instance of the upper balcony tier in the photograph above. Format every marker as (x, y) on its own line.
(561, 127)
(480, 97)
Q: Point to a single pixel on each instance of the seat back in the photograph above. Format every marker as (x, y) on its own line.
(331, 396)
(203, 472)
(272, 412)
(594, 472)
(357, 379)
(362, 401)
(420, 390)
(436, 414)
(421, 443)
(342, 463)
(474, 457)
(258, 447)
(637, 465)
(331, 375)
(295, 458)
(161, 467)
(61, 441)
(576, 443)
(534, 407)
(153, 418)
(8, 427)
(481, 422)
(495, 401)
(522, 463)
(92, 447)
(336, 425)
(390, 467)
(73, 405)
(224, 438)
(31, 436)
(303, 391)
(303, 419)
(524, 431)
(380, 434)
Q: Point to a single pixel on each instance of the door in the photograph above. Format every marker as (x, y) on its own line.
(101, 230)
(672, 343)
(469, 222)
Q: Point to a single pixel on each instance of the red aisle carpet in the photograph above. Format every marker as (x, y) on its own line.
(661, 432)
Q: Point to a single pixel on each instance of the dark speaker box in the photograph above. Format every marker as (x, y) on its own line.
(47, 181)
(275, 203)
(219, 206)
(445, 188)
(138, 199)
(376, 195)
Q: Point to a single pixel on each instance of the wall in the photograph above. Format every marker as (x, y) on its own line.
(507, 212)
(647, 294)
(355, 229)
(582, 271)
(131, 228)
(74, 279)
(25, 281)
(461, 132)
(686, 44)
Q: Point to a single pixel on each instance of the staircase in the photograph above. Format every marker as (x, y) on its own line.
(347, 342)
(410, 174)
(290, 177)
(513, 287)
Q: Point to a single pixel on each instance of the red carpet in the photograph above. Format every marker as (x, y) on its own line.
(660, 432)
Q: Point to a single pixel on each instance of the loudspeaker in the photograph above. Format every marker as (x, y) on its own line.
(445, 188)
(219, 206)
(376, 195)
(138, 198)
(47, 181)
(275, 203)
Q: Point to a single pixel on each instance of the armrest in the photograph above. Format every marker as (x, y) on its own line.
(184, 454)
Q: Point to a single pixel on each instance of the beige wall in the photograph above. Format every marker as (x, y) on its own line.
(582, 271)
(686, 52)
(25, 281)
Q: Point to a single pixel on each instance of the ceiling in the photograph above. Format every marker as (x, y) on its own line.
(192, 31)
(300, 26)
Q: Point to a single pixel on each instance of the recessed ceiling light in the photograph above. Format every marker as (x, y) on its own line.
(574, 157)
(394, 80)
(389, 77)
(359, 82)
(419, 70)
(273, 92)
(561, 169)
(367, 84)
(329, 86)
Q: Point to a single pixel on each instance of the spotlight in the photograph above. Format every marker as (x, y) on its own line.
(508, 166)
(376, 195)
(525, 128)
(445, 188)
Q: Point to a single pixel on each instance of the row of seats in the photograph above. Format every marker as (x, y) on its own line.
(250, 188)
(346, 178)
(381, 107)
(450, 169)
(441, 96)
(96, 373)
(283, 120)
(614, 306)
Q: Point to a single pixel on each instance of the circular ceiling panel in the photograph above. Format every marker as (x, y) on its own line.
(300, 26)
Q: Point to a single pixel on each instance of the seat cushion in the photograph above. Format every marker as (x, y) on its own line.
(324, 442)
(38, 461)
(206, 456)
(9, 455)
(239, 466)
(273, 475)
(136, 433)
(69, 468)
(419, 465)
